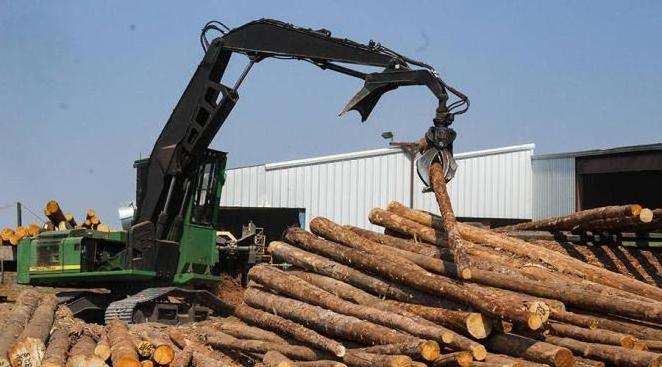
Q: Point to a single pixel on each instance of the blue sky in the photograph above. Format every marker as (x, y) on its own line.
(86, 86)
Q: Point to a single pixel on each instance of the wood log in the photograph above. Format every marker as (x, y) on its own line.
(58, 346)
(183, 358)
(70, 219)
(471, 323)
(29, 348)
(653, 345)
(324, 321)
(146, 363)
(449, 223)
(534, 350)
(554, 260)
(585, 362)
(53, 212)
(6, 234)
(319, 363)
(274, 358)
(290, 328)
(362, 359)
(33, 229)
(617, 356)
(403, 244)
(199, 359)
(455, 359)
(102, 349)
(568, 222)
(299, 289)
(82, 353)
(25, 305)
(223, 341)
(600, 336)
(241, 330)
(394, 221)
(419, 350)
(603, 322)
(123, 352)
(48, 226)
(615, 223)
(324, 266)
(482, 301)
(164, 351)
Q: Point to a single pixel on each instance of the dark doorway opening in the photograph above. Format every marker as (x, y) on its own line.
(274, 220)
(639, 187)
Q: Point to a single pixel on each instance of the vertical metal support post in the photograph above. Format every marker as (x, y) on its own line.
(19, 214)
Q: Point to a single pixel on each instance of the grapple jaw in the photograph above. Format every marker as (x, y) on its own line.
(440, 148)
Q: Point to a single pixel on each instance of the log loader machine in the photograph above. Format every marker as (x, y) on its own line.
(160, 268)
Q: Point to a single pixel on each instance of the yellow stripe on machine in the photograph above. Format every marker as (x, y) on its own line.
(55, 267)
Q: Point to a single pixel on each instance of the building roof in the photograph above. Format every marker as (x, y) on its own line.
(584, 153)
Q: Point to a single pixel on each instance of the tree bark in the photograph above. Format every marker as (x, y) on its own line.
(183, 358)
(325, 321)
(327, 267)
(400, 224)
(616, 223)
(449, 223)
(553, 259)
(568, 222)
(54, 213)
(425, 350)
(319, 363)
(274, 358)
(287, 327)
(243, 331)
(123, 352)
(58, 346)
(455, 359)
(82, 354)
(25, 305)
(223, 341)
(362, 359)
(595, 322)
(534, 350)
(471, 323)
(200, 359)
(102, 349)
(299, 289)
(423, 280)
(600, 336)
(29, 348)
(401, 243)
(617, 356)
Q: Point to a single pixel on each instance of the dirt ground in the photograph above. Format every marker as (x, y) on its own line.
(230, 289)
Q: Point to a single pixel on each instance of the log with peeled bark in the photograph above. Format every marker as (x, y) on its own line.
(418, 350)
(616, 356)
(29, 348)
(241, 330)
(653, 345)
(401, 224)
(455, 359)
(290, 328)
(319, 363)
(102, 350)
(449, 223)
(530, 349)
(362, 359)
(164, 350)
(585, 362)
(570, 221)
(58, 346)
(326, 322)
(54, 213)
(122, 349)
(200, 359)
(82, 354)
(274, 358)
(401, 243)
(552, 259)
(472, 323)
(600, 336)
(15, 321)
(297, 288)
(219, 340)
(70, 219)
(602, 322)
(483, 301)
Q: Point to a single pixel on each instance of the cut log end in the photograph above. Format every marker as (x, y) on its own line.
(646, 215)
(478, 325)
(534, 322)
(464, 359)
(163, 354)
(127, 362)
(430, 350)
(478, 352)
(447, 337)
(400, 361)
(465, 273)
(564, 358)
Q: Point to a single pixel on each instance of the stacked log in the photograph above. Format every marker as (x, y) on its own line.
(9, 236)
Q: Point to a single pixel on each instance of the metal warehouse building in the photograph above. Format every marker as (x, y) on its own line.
(509, 183)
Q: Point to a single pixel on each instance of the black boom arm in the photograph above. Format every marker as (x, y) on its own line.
(206, 103)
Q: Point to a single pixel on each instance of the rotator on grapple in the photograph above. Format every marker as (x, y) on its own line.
(170, 247)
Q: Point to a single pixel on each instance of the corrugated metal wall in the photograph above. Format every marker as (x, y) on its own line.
(491, 183)
(553, 186)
